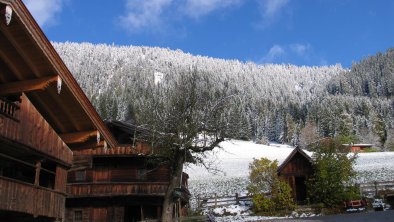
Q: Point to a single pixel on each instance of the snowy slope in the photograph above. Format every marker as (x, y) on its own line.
(377, 166)
(233, 160)
(234, 156)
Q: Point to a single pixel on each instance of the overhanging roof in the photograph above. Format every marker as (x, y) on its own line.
(291, 155)
(29, 64)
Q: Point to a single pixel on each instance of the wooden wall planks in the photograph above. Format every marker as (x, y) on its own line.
(33, 131)
(117, 189)
(21, 197)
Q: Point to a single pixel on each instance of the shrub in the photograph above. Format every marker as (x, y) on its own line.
(333, 173)
(270, 194)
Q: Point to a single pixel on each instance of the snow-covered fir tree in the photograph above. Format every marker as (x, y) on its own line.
(273, 101)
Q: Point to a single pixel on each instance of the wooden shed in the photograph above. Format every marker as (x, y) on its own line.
(124, 183)
(295, 170)
(43, 113)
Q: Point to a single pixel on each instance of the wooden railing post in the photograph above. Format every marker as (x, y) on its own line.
(142, 213)
(216, 199)
(37, 176)
(236, 198)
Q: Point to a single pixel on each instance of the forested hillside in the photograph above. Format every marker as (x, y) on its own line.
(282, 103)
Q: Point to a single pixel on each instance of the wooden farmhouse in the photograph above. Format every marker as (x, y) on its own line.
(295, 170)
(123, 184)
(48, 126)
(43, 115)
(358, 147)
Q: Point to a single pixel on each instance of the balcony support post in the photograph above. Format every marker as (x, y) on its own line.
(37, 177)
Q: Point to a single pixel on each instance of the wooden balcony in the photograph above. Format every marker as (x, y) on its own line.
(22, 125)
(138, 149)
(9, 109)
(116, 189)
(27, 198)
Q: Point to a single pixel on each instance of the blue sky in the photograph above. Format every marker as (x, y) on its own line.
(301, 32)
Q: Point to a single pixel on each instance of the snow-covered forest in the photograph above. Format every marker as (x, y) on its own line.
(281, 103)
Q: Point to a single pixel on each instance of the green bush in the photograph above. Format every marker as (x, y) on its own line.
(263, 204)
(371, 150)
(270, 194)
(333, 173)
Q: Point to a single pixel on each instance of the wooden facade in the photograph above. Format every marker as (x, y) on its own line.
(43, 113)
(33, 164)
(295, 170)
(44, 117)
(124, 183)
(28, 128)
(117, 187)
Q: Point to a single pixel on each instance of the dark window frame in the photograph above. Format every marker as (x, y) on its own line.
(78, 216)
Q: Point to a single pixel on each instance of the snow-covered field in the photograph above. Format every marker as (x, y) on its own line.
(377, 166)
(234, 157)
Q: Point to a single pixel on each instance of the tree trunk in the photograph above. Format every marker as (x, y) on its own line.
(168, 204)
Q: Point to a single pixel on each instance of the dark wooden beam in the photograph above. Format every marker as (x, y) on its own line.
(78, 137)
(12, 59)
(26, 85)
(86, 145)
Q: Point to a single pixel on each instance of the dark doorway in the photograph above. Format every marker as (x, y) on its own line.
(300, 189)
(132, 214)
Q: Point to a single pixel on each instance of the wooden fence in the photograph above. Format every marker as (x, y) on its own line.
(377, 188)
(220, 201)
(381, 188)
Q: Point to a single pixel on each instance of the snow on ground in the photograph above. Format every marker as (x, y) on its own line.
(378, 166)
(234, 157)
(244, 218)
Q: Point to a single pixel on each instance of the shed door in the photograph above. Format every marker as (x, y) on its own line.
(300, 189)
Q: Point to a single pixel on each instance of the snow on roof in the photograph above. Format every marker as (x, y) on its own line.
(359, 144)
(291, 155)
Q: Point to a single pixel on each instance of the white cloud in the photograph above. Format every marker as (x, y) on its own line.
(270, 10)
(144, 13)
(44, 11)
(154, 14)
(273, 54)
(198, 8)
(300, 49)
(272, 7)
(289, 53)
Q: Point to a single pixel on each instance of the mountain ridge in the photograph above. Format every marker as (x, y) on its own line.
(278, 101)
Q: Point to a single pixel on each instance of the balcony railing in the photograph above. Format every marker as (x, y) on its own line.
(22, 125)
(9, 109)
(117, 189)
(27, 198)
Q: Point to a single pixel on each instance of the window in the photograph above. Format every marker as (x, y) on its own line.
(78, 215)
(141, 174)
(80, 175)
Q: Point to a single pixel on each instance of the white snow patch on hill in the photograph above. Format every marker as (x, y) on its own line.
(234, 157)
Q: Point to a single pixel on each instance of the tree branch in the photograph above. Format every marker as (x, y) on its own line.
(199, 149)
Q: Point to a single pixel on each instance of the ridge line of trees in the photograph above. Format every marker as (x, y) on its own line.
(281, 103)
